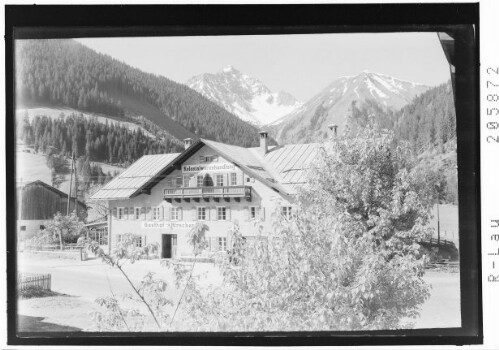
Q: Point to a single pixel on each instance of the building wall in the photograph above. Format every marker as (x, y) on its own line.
(36, 202)
(151, 229)
(28, 228)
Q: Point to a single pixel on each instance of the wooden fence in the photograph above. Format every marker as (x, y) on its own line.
(36, 280)
(55, 247)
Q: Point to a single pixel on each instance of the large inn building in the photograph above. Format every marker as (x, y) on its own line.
(161, 197)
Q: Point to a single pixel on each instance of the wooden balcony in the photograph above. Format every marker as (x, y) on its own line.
(206, 193)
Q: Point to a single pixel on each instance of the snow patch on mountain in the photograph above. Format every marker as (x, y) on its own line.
(246, 97)
(333, 104)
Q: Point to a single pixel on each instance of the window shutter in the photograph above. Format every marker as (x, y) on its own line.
(262, 213)
(226, 180)
(179, 214)
(144, 241)
(115, 212)
(247, 213)
(167, 213)
(148, 213)
(194, 214)
(227, 213)
(207, 211)
(214, 213)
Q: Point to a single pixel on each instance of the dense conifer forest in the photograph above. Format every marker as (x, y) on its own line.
(64, 72)
(103, 142)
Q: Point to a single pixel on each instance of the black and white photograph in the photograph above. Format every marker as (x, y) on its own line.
(300, 182)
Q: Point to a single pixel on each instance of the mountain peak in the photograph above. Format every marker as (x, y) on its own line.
(246, 97)
(332, 104)
(230, 69)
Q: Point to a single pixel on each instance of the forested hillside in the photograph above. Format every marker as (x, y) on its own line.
(428, 124)
(64, 72)
(110, 142)
(428, 121)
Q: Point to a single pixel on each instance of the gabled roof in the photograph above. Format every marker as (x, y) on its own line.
(51, 188)
(283, 168)
(132, 180)
(248, 161)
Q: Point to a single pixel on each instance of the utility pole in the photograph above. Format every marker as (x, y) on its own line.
(76, 185)
(438, 225)
(70, 183)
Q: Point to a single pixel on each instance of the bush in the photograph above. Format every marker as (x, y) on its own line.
(34, 292)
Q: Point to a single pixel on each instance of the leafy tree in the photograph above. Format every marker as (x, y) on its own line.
(348, 257)
(63, 227)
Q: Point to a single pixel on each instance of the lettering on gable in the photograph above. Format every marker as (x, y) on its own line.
(207, 168)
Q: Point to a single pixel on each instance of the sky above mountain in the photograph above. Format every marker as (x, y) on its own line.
(298, 64)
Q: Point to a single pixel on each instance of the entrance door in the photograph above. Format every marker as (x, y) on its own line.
(169, 246)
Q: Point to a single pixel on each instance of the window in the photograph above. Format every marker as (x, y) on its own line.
(286, 212)
(201, 213)
(137, 213)
(175, 213)
(221, 213)
(222, 243)
(179, 181)
(42, 227)
(187, 179)
(120, 213)
(220, 180)
(202, 159)
(156, 213)
(233, 179)
(138, 241)
(253, 213)
(169, 182)
(23, 228)
(200, 181)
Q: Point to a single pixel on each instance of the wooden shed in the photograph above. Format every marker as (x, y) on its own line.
(38, 202)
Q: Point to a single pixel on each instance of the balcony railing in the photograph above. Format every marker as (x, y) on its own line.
(207, 192)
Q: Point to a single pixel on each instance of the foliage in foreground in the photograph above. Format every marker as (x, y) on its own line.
(346, 259)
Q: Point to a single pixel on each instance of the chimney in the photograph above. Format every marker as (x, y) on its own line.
(264, 142)
(334, 129)
(187, 142)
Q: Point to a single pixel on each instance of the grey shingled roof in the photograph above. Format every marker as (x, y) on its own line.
(135, 177)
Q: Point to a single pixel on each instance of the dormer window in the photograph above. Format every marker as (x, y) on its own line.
(208, 159)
